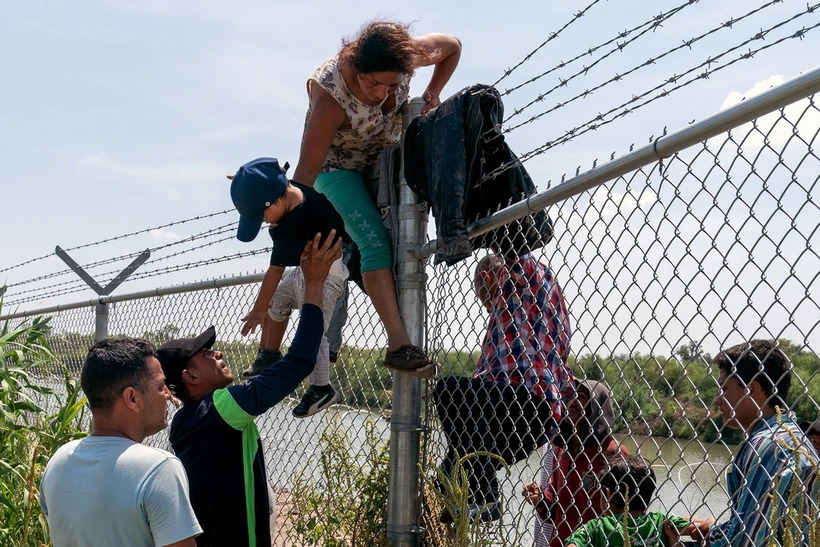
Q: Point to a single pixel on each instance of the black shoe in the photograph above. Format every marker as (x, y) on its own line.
(265, 358)
(487, 512)
(412, 360)
(315, 399)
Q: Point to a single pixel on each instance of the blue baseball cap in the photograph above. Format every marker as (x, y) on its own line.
(255, 187)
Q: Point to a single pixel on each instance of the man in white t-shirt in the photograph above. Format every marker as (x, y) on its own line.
(108, 488)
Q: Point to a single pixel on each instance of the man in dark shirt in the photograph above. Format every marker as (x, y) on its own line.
(214, 434)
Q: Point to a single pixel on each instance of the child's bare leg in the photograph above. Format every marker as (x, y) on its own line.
(273, 332)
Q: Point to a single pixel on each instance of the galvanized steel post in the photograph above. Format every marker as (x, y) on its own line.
(405, 419)
(100, 321)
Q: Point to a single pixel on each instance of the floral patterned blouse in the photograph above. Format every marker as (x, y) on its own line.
(371, 130)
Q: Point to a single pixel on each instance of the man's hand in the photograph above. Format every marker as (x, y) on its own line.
(315, 263)
(697, 529)
(252, 320)
(532, 493)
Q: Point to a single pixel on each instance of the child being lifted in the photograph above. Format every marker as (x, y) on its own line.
(261, 192)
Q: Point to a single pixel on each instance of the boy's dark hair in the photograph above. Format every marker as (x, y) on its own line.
(760, 361)
(382, 46)
(113, 365)
(632, 478)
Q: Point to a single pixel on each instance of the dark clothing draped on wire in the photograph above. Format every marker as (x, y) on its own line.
(448, 153)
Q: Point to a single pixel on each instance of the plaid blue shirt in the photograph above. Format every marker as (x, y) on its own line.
(528, 332)
(766, 464)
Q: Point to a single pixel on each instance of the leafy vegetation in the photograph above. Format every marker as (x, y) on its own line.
(654, 394)
(29, 433)
(452, 493)
(347, 506)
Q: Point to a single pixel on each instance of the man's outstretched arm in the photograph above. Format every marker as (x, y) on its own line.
(266, 390)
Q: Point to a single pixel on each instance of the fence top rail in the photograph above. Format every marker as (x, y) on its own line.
(161, 291)
(747, 110)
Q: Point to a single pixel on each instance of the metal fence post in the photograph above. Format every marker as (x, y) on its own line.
(100, 321)
(405, 420)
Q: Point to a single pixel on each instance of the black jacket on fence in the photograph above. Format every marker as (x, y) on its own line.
(448, 154)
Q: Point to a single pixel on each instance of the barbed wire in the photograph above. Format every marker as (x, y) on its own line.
(202, 235)
(150, 273)
(620, 76)
(112, 273)
(123, 236)
(652, 25)
(599, 120)
(552, 36)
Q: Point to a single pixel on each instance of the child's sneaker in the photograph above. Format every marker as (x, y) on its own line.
(315, 399)
(412, 360)
(265, 358)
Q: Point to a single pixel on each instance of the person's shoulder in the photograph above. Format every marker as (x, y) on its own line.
(149, 453)
(63, 452)
(312, 202)
(70, 446)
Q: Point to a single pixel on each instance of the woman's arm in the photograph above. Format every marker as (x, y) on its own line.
(443, 51)
(326, 116)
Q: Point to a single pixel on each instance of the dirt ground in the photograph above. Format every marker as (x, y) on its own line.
(282, 530)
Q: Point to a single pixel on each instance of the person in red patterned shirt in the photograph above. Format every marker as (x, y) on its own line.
(583, 448)
(512, 403)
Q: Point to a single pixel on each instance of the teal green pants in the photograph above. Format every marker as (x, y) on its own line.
(347, 192)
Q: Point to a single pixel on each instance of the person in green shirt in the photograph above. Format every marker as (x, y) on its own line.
(627, 487)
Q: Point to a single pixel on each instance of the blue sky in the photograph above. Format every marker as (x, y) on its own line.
(119, 115)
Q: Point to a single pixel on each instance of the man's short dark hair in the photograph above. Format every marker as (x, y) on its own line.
(629, 478)
(760, 361)
(113, 365)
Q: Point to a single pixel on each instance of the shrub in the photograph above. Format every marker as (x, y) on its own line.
(29, 432)
(348, 507)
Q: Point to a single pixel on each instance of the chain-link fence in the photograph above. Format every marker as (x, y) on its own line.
(660, 269)
(653, 272)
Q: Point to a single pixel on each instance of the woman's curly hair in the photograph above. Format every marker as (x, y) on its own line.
(382, 46)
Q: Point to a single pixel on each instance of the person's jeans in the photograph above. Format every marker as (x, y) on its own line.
(479, 415)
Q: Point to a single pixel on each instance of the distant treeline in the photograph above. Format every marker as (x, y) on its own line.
(654, 394)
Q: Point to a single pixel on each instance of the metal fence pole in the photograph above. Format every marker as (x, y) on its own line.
(405, 420)
(100, 322)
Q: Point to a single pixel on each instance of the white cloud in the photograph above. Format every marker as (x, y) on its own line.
(771, 126)
(735, 97)
(164, 235)
(605, 204)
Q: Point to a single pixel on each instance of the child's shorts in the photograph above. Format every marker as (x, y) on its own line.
(290, 294)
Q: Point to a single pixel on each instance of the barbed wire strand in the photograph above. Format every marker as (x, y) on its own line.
(150, 273)
(91, 265)
(111, 274)
(653, 24)
(620, 76)
(552, 36)
(123, 236)
(599, 121)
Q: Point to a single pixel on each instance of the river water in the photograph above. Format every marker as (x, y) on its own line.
(690, 475)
